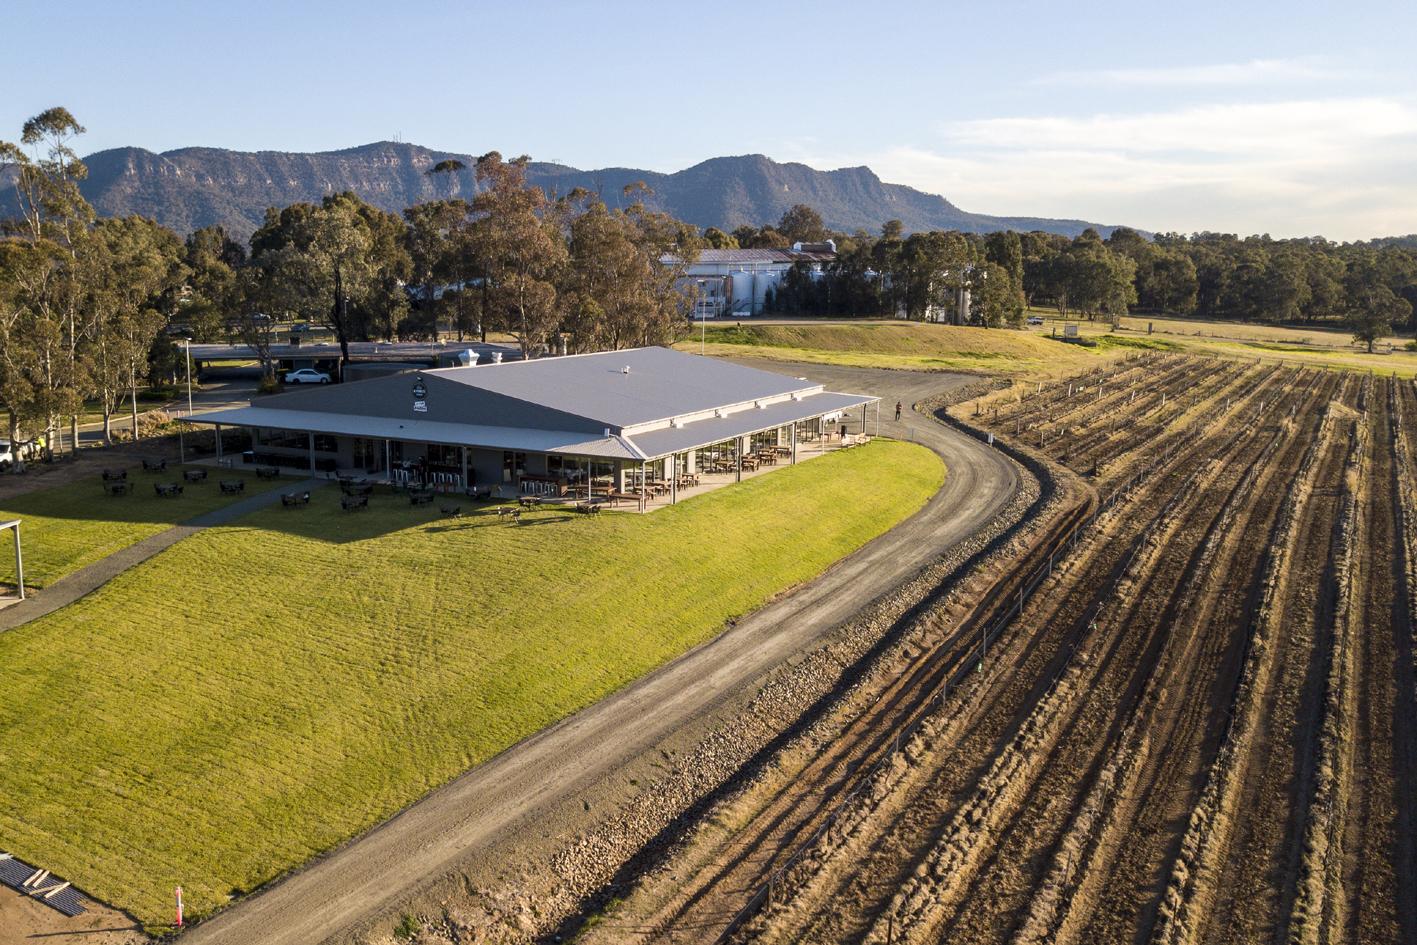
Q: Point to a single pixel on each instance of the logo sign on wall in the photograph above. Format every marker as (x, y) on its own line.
(420, 397)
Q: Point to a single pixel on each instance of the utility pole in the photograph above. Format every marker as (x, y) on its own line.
(187, 351)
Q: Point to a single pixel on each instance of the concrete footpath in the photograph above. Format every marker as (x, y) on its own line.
(71, 587)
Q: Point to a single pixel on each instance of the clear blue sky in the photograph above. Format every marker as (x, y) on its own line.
(1290, 118)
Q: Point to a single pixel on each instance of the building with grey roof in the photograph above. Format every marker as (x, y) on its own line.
(624, 423)
(732, 283)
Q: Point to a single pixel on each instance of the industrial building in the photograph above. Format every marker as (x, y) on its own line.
(734, 283)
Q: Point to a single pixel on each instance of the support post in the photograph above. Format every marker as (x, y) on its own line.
(218, 444)
(794, 444)
(465, 483)
(673, 478)
(19, 563)
(310, 439)
(388, 462)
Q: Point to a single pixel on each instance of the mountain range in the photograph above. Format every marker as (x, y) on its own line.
(194, 187)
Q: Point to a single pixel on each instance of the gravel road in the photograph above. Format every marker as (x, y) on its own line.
(513, 793)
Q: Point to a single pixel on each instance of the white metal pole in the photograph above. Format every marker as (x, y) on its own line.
(19, 563)
(187, 347)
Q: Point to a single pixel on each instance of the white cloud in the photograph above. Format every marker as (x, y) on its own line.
(1253, 72)
(1339, 167)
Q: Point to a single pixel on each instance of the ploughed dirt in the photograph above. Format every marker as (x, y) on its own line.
(1195, 724)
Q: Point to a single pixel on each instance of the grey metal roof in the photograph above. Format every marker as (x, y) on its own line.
(569, 442)
(743, 422)
(661, 384)
(730, 256)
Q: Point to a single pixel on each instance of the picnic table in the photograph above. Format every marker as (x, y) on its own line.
(480, 495)
(232, 486)
(293, 499)
(194, 475)
(529, 501)
(167, 490)
(506, 511)
(420, 498)
(452, 511)
(115, 475)
(588, 508)
(353, 503)
(267, 472)
(154, 465)
(117, 487)
(356, 486)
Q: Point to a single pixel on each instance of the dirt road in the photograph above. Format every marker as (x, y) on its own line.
(507, 797)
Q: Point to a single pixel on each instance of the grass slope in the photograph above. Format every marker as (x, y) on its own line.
(68, 527)
(899, 344)
(919, 346)
(262, 691)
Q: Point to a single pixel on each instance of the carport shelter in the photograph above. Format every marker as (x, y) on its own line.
(609, 421)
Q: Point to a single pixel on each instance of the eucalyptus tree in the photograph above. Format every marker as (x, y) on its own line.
(519, 237)
(134, 265)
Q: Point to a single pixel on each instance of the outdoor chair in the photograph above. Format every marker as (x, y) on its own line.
(115, 475)
(167, 490)
(267, 472)
(293, 499)
(353, 503)
(194, 475)
(233, 486)
(154, 465)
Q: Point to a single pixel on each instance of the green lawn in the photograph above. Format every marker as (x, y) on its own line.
(264, 690)
(67, 527)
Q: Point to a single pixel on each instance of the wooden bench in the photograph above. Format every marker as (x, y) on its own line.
(194, 475)
(117, 487)
(353, 503)
(233, 486)
(293, 499)
(267, 472)
(167, 490)
(154, 465)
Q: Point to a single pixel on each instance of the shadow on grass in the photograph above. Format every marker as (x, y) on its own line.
(325, 520)
(85, 500)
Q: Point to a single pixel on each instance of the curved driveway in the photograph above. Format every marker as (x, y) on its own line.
(512, 791)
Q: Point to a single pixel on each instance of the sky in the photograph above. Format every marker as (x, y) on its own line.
(1288, 118)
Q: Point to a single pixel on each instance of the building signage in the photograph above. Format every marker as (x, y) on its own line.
(420, 395)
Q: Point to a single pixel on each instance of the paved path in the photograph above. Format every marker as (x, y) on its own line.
(71, 587)
(513, 794)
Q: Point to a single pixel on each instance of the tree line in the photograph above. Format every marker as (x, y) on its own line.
(1371, 287)
(90, 308)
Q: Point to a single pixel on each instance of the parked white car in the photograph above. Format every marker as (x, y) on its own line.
(1035, 320)
(307, 376)
(9, 456)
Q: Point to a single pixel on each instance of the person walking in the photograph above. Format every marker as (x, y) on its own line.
(897, 411)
